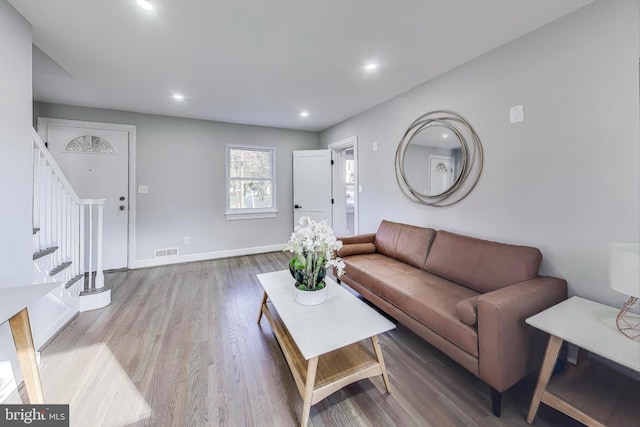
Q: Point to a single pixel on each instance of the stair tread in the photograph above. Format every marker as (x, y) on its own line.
(60, 268)
(73, 280)
(94, 291)
(44, 252)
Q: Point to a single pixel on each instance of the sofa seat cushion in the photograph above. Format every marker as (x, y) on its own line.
(429, 299)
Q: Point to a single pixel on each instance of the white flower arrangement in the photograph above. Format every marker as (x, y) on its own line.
(313, 244)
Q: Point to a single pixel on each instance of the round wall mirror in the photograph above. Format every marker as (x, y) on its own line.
(439, 159)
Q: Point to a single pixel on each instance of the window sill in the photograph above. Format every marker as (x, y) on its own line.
(249, 215)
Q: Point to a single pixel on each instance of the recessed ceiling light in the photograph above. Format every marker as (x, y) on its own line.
(445, 135)
(371, 66)
(304, 114)
(178, 97)
(144, 4)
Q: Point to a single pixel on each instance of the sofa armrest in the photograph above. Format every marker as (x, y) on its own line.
(356, 245)
(505, 340)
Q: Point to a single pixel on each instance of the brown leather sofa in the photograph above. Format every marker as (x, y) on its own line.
(468, 297)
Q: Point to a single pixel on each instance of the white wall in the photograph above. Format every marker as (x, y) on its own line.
(16, 249)
(15, 146)
(183, 163)
(565, 180)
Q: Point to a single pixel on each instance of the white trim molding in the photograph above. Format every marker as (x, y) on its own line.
(145, 263)
(343, 144)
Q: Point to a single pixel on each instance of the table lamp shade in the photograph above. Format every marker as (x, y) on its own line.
(624, 268)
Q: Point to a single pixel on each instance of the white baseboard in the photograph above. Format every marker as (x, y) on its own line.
(144, 263)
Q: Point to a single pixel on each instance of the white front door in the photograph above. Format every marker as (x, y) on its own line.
(95, 160)
(312, 185)
(440, 174)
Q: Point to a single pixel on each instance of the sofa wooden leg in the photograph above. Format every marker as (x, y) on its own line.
(496, 402)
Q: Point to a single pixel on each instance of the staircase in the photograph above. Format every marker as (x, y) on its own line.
(67, 248)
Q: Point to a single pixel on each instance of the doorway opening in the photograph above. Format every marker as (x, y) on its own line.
(345, 186)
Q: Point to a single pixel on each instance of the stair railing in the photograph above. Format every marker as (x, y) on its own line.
(64, 221)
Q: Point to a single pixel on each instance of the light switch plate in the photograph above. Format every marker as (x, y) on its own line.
(375, 145)
(143, 189)
(516, 114)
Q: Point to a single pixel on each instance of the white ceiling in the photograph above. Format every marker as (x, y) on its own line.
(262, 61)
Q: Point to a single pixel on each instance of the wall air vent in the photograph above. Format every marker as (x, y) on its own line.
(159, 253)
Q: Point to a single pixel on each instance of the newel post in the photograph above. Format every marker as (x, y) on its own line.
(99, 273)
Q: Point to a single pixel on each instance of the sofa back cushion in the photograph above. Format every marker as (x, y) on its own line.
(406, 243)
(479, 264)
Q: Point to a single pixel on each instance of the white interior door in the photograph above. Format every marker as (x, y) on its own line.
(312, 185)
(440, 174)
(96, 163)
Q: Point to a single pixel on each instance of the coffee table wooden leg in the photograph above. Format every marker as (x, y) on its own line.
(264, 301)
(378, 350)
(549, 362)
(309, 384)
(21, 331)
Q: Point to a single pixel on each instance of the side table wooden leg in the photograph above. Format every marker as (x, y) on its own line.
(378, 350)
(21, 331)
(264, 301)
(309, 384)
(549, 362)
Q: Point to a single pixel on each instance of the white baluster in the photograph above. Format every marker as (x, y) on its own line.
(64, 243)
(74, 239)
(42, 235)
(36, 187)
(68, 241)
(35, 219)
(61, 224)
(48, 182)
(57, 221)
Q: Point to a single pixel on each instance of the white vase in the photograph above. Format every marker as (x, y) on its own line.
(310, 297)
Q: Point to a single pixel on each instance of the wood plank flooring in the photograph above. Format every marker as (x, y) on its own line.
(179, 346)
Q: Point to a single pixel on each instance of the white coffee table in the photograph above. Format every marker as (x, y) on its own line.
(592, 394)
(323, 344)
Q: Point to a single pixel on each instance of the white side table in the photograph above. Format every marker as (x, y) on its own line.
(13, 307)
(613, 397)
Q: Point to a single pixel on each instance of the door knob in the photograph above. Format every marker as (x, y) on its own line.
(123, 207)
(297, 207)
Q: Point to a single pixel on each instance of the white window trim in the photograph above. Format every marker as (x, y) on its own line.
(257, 213)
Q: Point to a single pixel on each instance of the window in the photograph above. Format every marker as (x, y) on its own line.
(89, 144)
(251, 182)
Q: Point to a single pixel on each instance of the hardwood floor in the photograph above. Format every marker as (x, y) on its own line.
(179, 346)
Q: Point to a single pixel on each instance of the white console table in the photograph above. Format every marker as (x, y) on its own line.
(592, 394)
(13, 307)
